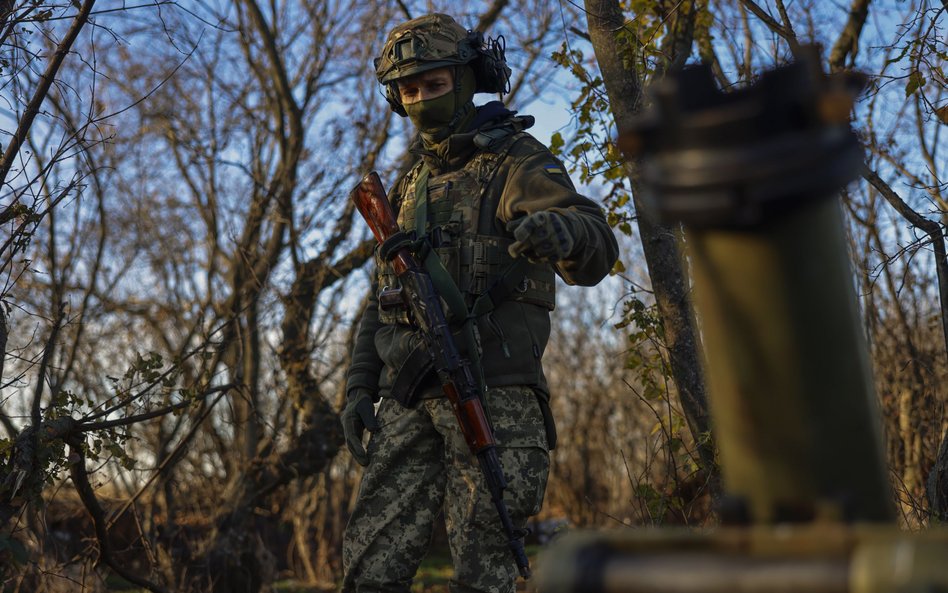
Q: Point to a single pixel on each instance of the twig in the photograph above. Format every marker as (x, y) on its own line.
(80, 479)
(126, 420)
(46, 81)
(167, 461)
(493, 13)
(3, 339)
(772, 23)
(931, 228)
(44, 364)
(405, 11)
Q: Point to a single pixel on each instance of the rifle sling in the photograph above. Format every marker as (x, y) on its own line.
(447, 288)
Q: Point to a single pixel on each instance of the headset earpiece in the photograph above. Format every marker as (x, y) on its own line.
(394, 100)
(490, 66)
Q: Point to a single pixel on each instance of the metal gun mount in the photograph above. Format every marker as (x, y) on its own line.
(753, 177)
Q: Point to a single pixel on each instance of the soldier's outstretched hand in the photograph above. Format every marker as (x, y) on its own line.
(542, 237)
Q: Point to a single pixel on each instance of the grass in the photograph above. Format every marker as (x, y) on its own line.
(436, 570)
(434, 573)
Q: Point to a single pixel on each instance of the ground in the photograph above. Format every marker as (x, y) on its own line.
(432, 576)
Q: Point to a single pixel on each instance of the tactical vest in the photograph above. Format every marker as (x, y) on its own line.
(461, 231)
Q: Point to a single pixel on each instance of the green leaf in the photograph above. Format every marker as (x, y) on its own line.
(901, 54)
(556, 140)
(116, 449)
(916, 80)
(556, 143)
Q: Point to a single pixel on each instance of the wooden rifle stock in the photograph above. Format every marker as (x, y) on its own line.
(454, 371)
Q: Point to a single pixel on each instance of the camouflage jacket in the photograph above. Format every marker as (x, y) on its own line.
(526, 178)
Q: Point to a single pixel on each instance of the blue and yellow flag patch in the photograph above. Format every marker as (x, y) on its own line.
(553, 169)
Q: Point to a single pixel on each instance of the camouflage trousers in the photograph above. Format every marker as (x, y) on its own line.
(419, 463)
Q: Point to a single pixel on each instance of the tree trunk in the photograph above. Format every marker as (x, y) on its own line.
(937, 485)
(659, 243)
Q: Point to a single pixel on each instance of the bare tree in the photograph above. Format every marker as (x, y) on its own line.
(190, 381)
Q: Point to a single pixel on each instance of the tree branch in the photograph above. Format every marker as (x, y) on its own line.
(171, 459)
(930, 227)
(127, 420)
(277, 67)
(847, 44)
(787, 24)
(46, 81)
(676, 45)
(772, 23)
(3, 340)
(407, 13)
(80, 478)
(44, 364)
(659, 242)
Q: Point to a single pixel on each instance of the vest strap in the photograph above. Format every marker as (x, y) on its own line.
(421, 201)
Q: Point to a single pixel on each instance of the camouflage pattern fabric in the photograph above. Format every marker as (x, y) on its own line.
(421, 44)
(419, 462)
(514, 336)
(473, 259)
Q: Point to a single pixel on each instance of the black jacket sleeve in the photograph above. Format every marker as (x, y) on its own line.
(366, 366)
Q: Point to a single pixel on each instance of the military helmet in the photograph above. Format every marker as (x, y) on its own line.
(437, 40)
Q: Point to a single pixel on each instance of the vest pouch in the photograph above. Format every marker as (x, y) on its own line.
(483, 261)
(538, 287)
(388, 281)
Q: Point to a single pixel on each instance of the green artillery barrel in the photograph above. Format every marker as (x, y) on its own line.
(754, 176)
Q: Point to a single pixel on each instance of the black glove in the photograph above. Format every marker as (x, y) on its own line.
(542, 237)
(357, 416)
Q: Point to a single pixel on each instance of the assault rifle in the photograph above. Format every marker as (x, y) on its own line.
(454, 370)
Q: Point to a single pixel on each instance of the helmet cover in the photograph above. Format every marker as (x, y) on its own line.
(434, 41)
(423, 44)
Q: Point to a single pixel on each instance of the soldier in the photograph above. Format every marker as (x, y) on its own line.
(502, 216)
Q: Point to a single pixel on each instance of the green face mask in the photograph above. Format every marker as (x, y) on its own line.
(431, 115)
(436, 118)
